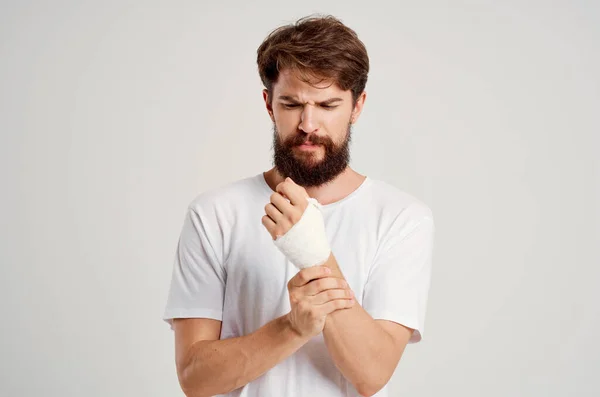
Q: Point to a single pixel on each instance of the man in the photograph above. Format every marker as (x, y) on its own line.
(321, 296)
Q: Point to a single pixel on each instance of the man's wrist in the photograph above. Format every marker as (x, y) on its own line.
(289, 331)
(332, 264)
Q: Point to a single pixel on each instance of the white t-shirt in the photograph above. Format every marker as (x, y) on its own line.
(228, 268)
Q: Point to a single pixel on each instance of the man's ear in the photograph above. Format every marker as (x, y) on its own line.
(268, 105)
(358, 107)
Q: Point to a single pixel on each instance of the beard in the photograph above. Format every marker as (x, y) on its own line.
(303, 166)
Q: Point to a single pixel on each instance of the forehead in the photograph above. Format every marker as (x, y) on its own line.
(290, 83)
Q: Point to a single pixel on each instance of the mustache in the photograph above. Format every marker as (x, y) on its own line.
(297, 140)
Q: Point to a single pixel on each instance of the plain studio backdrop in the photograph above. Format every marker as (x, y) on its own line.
(115, 115)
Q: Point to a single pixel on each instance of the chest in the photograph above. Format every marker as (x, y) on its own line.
(258, 273)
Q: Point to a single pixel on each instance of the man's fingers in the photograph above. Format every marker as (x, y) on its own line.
(295, 193)
(273, 213)
(269, 225)
(281, 203)
(336, 304)
(314, 287)
(332, 294)
(304, 276)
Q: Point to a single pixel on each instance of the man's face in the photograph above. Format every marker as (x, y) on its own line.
(320, 115)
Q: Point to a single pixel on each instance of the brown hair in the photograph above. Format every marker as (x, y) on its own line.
(317, 47)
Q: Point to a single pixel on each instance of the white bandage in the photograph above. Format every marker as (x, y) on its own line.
(306, 244)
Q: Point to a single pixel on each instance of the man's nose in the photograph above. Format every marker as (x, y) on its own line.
(308, 121)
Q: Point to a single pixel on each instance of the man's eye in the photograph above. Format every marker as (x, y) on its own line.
(328, 106)
(290, 106)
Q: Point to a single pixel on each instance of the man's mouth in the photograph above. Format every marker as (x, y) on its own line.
(308, 145)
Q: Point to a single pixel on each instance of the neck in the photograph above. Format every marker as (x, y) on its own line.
(335, 190)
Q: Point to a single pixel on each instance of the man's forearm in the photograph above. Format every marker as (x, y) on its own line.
(361, 349)
(218, 367)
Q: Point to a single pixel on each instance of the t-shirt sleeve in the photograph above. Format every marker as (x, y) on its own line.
(198, 279)
(398, 284)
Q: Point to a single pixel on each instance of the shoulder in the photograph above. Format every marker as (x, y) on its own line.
(393, 202)
(226, 196)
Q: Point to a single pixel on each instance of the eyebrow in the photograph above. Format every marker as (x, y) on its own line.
(294, 99)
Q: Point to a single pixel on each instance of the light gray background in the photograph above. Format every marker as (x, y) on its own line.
(115, 115)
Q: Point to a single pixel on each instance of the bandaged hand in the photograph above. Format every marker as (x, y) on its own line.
(297, 226)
